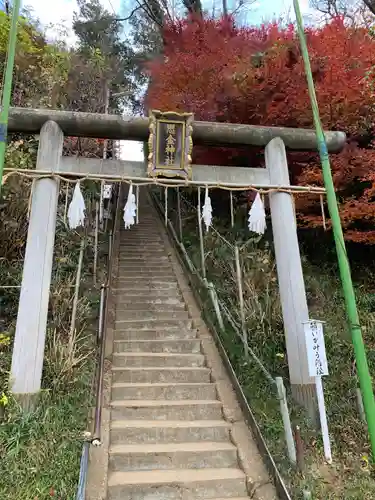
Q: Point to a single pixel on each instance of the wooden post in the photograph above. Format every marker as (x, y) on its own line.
(201, 240)
(96, 241)
(300, 451)
(28, 351)
(179, 213)
(76, 290)
(284, 410)
(290, 277)
(240, 300)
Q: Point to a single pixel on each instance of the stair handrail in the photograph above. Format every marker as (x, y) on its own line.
(94, 438)
(102, 330)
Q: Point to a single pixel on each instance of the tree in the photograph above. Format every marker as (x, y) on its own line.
(263, 82)
(102, 75)
(40, 69)
(99, 35)
(148, 18)
(356, 12)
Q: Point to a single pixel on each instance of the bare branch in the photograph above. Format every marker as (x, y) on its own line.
(370, 4)
(130, 15)
(148, 8)
(356, 12)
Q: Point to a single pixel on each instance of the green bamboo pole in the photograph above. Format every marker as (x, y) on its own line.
(7, 88)
(346, 279)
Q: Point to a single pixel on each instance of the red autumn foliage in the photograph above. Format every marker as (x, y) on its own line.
(256, 76)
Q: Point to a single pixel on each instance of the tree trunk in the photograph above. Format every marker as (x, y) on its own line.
(193, 7)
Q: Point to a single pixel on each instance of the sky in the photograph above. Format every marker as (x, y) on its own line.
(62, 11)
(62, 14)
(267, 9)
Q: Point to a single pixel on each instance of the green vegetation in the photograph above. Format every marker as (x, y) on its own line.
(40, 451)
(350, 476)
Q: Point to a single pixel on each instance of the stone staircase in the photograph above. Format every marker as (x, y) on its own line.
(171, 435)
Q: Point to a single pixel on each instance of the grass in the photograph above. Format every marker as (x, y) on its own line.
(40, 451)
(350, 477)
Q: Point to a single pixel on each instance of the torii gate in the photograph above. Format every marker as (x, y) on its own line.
(28, 351)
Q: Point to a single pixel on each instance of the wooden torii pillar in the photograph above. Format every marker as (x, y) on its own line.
(27, 360)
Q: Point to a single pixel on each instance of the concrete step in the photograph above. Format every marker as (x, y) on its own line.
(147, 219)
(192, 346)
(145, 292)
(145, 262)
(139, 250)
(156, 238)
(171, 391)
(161, 375)
(148, 279)
(168, 436)
(137, 271)
(141, 265)
(139, 247)
(152, 305)
(168, 431)
(156, 359)
(143, 239)
(137, 256)
(141, 262)
(144, 274)
(156, 324)
(164, 456)
(140, 228)
(157, 334)
(141, 307)
(147, 236)
(166, 410)
(135, 268)
(185, 484)
(146, 230)
(147, 315)
(147, 302)
(148, 284)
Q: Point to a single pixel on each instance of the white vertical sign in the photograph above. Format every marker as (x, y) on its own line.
(318, 367)
(107, 191)
(316, 351)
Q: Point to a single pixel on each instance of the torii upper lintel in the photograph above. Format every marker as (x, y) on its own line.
(117, 127)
